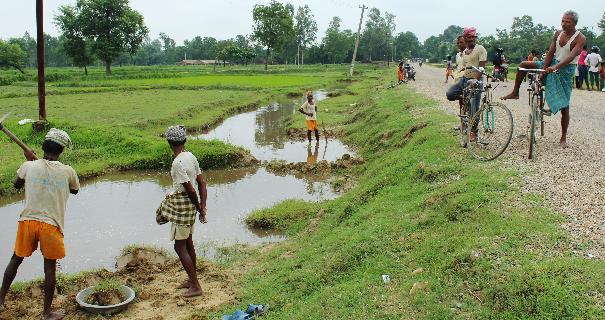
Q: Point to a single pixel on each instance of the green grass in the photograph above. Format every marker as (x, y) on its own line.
(116, 122)
(283, 215)
(488, 250)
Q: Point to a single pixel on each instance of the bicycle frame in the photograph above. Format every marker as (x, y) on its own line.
(486, 137)
(536, 108)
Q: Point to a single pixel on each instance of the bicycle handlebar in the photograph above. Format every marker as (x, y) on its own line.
(534, 70)
(480, 70)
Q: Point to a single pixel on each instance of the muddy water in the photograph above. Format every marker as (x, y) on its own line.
(263, 132)
(119, 209)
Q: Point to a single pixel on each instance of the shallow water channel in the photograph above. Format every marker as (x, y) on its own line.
(117, 210)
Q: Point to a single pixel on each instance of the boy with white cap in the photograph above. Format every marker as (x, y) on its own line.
(48, 184)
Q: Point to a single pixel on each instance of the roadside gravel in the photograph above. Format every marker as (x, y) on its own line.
(572, 180)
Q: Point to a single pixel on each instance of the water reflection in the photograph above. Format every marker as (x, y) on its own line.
(263, 132)
(119, 209)
(312, 157)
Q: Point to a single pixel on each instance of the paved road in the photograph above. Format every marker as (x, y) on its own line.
(571, 180)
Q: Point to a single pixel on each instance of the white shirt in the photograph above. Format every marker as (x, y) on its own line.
(563, 52)
(185, 168)
(310, 108)
(47, 185)
(593, 60)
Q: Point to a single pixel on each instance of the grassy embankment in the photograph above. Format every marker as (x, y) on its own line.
(116, 122)
(457, 237)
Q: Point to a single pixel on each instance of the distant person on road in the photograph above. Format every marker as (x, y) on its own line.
(181, 205)
(400, 73)
(309, 109)
(592, 61)
(449, 69)
(560, 63)
(532, 55)
(474, 55)
(582, 68)
(48, 184)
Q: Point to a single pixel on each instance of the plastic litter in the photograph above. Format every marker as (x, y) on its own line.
(386, 278)
(25, 121)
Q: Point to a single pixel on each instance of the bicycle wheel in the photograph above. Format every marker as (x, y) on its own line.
(493, 125)
(541, 114)
(535, 119)
(462, 130)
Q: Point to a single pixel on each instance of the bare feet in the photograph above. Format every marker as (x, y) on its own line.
(192, 292)
(510, 96)
(563, 144)
(54, 315)
(185, 285)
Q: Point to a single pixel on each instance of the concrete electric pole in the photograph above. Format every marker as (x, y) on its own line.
(363, 8)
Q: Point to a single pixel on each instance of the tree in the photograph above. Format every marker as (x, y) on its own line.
(407, 46)
(12, 56)
(112, 27)
(169, 46)
(306, 31)
(337, 44)
(273, 26)
(377, 36)
(602, 23)
(451, 33)
(74, 42)
(28, 45)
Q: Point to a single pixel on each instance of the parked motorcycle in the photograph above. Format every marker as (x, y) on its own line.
(500, 73)
(410, 72)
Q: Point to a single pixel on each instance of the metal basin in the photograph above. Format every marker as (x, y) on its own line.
(127, 292)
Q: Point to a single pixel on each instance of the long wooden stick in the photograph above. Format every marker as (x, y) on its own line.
(13, 137)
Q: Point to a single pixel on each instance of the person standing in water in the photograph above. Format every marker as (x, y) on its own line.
(309, 109)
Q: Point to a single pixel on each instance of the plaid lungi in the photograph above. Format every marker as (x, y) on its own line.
(176, 208)
(558, 86)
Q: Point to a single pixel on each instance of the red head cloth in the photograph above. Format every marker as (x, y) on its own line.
(472, 31)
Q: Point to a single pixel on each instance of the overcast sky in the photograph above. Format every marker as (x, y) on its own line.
(222, 19)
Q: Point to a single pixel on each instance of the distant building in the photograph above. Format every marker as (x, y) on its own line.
(199, 62)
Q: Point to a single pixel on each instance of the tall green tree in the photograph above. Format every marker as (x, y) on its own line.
(337, 45)
(75, 44)
(377, 37)
(407, 46)
(111, 25)
(28, 44)
(306, 31)
(12, 56)
(273, 26)
(602, 23)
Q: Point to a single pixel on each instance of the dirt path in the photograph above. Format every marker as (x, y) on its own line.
(155, 279)
(571, 180)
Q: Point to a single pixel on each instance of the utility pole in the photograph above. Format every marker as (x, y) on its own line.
(40, 51)
(363, 8)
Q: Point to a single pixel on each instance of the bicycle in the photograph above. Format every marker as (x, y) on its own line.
(492, 124)
(536, 108)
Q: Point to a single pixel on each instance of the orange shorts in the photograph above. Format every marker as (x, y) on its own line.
(31, 232)
(311, 125)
